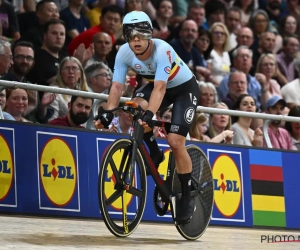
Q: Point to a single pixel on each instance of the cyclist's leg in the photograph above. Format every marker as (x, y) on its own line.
(142, 97)
(184, 108)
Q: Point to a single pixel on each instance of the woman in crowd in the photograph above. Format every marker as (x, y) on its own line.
(220, 126)
(267, 66)
(259, 23)
(243, 134)
(294, 128)
(71, 76)
(247, 7)
(16, 104)
(208, 94)
(161, 27)
(287, 26)
(219, 61)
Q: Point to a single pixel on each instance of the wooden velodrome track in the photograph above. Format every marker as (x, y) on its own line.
(49, 233)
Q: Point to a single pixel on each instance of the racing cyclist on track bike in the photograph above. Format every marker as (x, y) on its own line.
(170, 82)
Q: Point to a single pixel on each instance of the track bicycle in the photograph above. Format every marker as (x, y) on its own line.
(128, 172)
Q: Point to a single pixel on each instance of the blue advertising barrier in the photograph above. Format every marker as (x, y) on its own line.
(48, 170)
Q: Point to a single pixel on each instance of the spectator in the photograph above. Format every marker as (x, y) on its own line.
(74, 19)
(110, 23)
(243, 62)
(286, 58)
(23, 60)
(195, 12)
(45, 11)
(94, 14)
(164, 115)
(207, 94)
(161, 27)
(243, 134)
(268, 67)
(219, 62)
(133, 5)
(199, 128)
(244, 38)
(122, 123)
(6, 116)
(293, 9)
(203, 44)
(266, 45)
(247, 7)
(287, 26)
(279, 137)
(9, 22)
(258, 23)
(237, 85)
(98, 78)
(272, 8)
(184, 47)
(70, 75)
(294, 128)
(79, 109)
(233, 24)
(215, 12)
(16, 104)
(6, 58)
(291, 91)
(220, 125)
(49, 56)
(102, 47)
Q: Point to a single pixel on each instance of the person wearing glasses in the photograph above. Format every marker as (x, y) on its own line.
(70, 76)
(170, 82)
(23, 60)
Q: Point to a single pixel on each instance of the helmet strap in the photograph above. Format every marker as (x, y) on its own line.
(145, 49)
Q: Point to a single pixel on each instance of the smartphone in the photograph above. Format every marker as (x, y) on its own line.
(132, 81)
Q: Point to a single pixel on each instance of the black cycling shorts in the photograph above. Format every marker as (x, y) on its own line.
(184, 99)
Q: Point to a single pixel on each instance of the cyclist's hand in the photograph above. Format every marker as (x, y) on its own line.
(103, 120)
(147, 121)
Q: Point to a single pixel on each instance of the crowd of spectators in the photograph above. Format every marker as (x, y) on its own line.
(244, 53)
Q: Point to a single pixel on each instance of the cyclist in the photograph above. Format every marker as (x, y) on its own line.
(170, 82)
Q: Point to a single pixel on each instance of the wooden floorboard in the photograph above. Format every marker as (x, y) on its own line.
(32, 233)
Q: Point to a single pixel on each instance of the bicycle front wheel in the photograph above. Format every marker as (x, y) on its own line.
(122, 188)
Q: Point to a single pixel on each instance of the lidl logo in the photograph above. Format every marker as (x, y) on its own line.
(227, 185)
(228, 188)
(58, 172)
(7, 168)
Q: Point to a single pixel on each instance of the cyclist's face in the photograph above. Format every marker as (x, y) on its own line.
(138, 45)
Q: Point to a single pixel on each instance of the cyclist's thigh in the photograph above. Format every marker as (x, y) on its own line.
(184, 107)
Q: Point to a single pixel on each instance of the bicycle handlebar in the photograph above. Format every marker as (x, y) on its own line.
(134, 109)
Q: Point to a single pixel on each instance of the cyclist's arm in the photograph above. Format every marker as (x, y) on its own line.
(119, 77)
(115, 95)
(157, 96)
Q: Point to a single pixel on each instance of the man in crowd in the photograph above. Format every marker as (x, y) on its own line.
(279, 137)
(79, 112)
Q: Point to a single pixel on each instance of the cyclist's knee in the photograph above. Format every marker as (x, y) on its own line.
(140, 101)
(176, 142)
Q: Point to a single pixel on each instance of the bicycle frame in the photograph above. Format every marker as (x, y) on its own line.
(136, 137)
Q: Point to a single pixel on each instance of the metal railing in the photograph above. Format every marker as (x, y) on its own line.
(266, 117)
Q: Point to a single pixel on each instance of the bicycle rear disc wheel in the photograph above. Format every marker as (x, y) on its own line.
(201, 177)
(122, 197)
